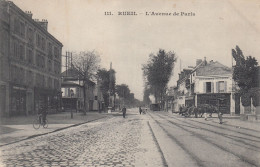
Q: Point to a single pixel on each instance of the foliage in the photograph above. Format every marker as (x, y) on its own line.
(157, 72)
(87, 64)
(103, 76)
(146, 98)
(122, 90)
(107, 83)
(126, 97)
(244, 74)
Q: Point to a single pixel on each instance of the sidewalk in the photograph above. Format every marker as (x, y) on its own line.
(15, 129)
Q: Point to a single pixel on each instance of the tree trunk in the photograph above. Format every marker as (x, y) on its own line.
(85, 100)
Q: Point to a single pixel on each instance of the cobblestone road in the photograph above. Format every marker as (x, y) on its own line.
(111, 141)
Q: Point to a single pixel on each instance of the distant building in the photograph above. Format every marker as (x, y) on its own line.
(72, 88)
(30, 60)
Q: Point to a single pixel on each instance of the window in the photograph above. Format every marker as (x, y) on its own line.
(56, 68)
(17, 26)
(43, 81)
(21, 76)
(22, 52)
(22, 29)
(38, 60)
(208, 87)
(43, 44)
(16, 49)
(43, 62)
(221, 86)
(49, 50)
(56, 84)
(30, 56)
(38, 40)
(30, 35)
(30, 77)
(56, 52)
(49, 65)
(49, 82)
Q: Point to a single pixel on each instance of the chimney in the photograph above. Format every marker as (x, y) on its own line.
(205, 61)
(43, 23)
(198, 61)
(29, 13)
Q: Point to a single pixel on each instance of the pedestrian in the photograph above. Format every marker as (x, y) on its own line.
(140, 110)
(180, 110)
(220, 117)
(205, 116)
(124, 111)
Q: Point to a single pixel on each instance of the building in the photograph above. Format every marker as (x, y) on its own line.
(30, 63)
(213, 83)
(206, 83)
(72, 88)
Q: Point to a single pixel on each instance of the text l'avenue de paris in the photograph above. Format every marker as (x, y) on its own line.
(133, 13)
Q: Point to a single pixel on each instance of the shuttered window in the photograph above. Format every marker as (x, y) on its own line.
(221, 86)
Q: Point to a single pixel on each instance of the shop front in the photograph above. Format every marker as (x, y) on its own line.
(17, 101)
(219, 100)
(47, 98)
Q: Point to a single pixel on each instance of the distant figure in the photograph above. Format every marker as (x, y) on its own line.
(140, 110)
(124, 111)
(220, 117)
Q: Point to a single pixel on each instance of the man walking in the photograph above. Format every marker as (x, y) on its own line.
(140, 110)
(124, 111)
(220, 117)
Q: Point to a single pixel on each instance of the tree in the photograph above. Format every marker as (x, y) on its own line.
(126, 96)
(157, 72)
(146, 98)
(107, 85)
(123, 92)
(244, 74)
(87, 64)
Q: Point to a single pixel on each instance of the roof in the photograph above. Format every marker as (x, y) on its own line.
(68, 83)
(213, 68)
(17, 9)
(71, 73)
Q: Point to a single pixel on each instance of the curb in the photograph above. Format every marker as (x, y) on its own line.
(56, 130)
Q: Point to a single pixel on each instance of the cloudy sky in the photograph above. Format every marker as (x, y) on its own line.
(126, 41)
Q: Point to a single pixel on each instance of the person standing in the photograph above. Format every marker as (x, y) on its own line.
(220, 117)
(124, 111)
(140, 110)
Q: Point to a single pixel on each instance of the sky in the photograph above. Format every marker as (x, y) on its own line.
(215, 28)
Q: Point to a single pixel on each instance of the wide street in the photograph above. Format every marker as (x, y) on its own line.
(153, 139)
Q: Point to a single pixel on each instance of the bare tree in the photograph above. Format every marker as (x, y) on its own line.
(87, 64)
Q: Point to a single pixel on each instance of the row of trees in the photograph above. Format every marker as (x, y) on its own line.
(88, 66)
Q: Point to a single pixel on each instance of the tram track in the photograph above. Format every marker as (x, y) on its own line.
(201, 137)
(240, 128)
(193, 156)
(232, 137)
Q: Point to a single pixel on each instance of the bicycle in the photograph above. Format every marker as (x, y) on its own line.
(39, 122)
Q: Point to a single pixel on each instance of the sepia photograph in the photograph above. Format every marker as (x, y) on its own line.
(129, 83)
